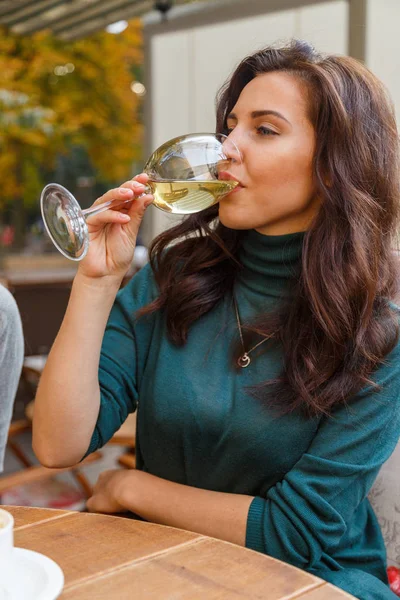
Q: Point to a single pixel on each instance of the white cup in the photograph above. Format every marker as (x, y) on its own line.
(6, 543)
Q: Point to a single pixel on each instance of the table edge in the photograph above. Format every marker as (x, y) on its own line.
(199, 536)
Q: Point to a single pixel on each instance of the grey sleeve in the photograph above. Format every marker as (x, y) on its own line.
(11, 358)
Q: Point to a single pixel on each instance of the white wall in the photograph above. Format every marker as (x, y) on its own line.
(219, 48)
(383, 45)
(189, 66)
(171, 60)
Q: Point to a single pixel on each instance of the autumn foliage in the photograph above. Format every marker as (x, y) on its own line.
(88, 103)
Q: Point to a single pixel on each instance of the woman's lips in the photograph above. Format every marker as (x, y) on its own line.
(235, 190)
(225, 176)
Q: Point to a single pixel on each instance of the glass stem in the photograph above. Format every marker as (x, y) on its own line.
(99, 208)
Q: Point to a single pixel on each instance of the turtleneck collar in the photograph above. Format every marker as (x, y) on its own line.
(269, 262)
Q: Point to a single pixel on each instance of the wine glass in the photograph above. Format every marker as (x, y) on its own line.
(183, 178)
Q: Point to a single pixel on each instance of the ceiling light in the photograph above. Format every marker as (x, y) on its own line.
(138, 88)
(117, 27)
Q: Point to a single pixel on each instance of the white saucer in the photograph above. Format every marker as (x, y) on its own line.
(32, 576)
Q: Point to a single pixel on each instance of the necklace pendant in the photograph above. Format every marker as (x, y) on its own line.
(244, 360)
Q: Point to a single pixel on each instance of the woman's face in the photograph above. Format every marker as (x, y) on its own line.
(270, 125)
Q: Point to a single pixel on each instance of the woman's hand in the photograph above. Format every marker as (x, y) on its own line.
(113, 232)
(217, 514)
(107, 492)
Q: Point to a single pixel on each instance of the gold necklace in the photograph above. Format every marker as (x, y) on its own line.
(244, 360)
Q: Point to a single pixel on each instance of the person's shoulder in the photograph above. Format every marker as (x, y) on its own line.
(6, 299)
(390, 367)
(140, 290)
(8, 307)
(11, 334)
(143, 288)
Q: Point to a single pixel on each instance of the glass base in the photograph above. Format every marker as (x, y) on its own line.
(64, 221)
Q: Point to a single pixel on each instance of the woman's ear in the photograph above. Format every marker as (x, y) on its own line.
(326, 177)
(328, 181)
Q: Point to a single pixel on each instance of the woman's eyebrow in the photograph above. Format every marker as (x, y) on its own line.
(260, 113)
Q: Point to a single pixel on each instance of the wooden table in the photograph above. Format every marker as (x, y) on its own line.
(107, 557)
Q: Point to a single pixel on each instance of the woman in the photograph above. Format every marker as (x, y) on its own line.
(262, 353)
(11, 357)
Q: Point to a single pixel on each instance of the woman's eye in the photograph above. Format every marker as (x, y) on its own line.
(262, 130)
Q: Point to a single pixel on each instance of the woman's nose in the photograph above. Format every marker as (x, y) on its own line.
(231, 150)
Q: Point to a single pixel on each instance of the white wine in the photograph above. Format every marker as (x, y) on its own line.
(186, 197)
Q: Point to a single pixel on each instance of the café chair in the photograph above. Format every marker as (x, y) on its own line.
(31, 472)
(385, 499)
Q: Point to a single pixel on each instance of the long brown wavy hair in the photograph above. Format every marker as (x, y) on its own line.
(339, 325)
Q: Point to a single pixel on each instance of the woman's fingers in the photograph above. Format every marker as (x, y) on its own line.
(135, 187)
(108, 217)
(141, 178)
(127, 201)
(126, 191)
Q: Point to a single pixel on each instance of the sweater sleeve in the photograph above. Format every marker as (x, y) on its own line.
(307, 513)
(122, 357)
(11, 358)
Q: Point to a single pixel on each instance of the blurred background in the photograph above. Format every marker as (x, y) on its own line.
(88, 89)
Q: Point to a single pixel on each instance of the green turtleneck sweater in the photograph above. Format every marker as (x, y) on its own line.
(198, 426)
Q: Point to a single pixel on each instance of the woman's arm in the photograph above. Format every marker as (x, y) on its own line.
(68, 399)
(11, 358)
(310, 512)
(216, 514)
